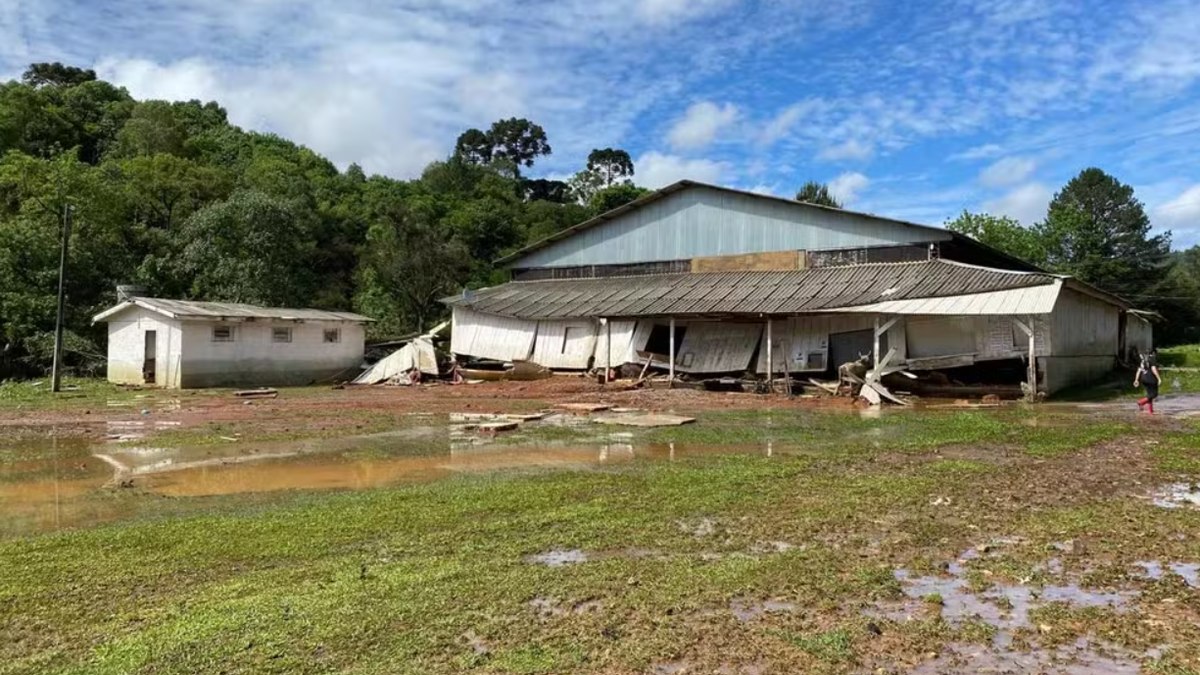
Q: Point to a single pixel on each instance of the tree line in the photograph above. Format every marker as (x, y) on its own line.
(1096, 230)
(171, 196)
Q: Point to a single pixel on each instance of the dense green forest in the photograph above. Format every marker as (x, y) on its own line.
(171, 196)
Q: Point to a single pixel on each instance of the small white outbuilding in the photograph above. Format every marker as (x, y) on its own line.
(184, 344)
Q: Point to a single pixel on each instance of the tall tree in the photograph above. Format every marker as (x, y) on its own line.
(474, 146)
(519, 141)
(249, 248)
(542, 189)
(615, 195)
(813, 192)
(56, 74)
(407, 268)
(1003, 233)
(610, 165)
(1096, 230)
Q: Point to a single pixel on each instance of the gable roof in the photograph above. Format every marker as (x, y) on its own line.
(819, 289)
(218, 311)
(679, 186)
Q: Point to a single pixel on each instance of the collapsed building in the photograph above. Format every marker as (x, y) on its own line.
(704, 280)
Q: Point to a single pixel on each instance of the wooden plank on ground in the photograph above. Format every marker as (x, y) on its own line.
(584, 407)
(645, 420)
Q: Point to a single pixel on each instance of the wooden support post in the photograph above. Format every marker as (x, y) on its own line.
(787, 357)
(1030, 330)
(875, 346)
(1032, 359)
(770, 359)
(607, 351)
(671, 377)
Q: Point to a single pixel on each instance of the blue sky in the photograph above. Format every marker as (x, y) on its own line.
(912, 110)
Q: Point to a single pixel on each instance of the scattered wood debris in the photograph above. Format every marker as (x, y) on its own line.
(262, 392)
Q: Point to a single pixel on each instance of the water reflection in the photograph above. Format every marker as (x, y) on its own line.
(54, 483)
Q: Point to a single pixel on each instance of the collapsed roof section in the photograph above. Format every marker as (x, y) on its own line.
(890, 287)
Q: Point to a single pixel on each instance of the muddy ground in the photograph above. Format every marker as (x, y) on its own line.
(391, 530)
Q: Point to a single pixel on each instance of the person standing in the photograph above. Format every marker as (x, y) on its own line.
(1148, 377)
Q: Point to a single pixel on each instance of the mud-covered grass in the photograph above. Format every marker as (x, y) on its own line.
(436, 578)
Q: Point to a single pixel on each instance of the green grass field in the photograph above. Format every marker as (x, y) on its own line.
(436, 578)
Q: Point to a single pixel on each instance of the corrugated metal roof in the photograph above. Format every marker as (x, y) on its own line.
(785, 292)
(1027, 300)
(191, 309)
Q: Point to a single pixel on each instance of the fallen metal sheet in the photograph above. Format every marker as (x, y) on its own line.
(416, 355)
(646, 420)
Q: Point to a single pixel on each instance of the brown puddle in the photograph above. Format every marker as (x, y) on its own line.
(49, 484)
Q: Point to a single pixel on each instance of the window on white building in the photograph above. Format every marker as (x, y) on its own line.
(222, 334)
(281, 335)
(333, 335)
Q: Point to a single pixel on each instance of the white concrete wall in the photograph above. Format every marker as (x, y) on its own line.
(253, 358)
(127, 347)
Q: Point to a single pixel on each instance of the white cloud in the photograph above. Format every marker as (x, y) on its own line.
(852, 149)
(659, 11)
(986, 151)
(847, 186)
(1007, 171)
(781, 124)
(655, 169)
(700, 124)
(1026, 203)
(765, 190)
(324, 109)
(1181, 215)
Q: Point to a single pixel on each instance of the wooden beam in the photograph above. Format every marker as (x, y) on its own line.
(1028, 329)
(671, 378)
(770, 357)
(875, 348)
(880, 330)
(608, 352)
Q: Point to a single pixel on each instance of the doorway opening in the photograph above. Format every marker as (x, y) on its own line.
(148, 360)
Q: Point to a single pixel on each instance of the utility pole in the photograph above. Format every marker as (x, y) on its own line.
(56, 373)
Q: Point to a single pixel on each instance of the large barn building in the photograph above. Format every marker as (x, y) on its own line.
(700, 279)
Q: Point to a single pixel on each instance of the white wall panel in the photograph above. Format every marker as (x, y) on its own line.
(488, 336)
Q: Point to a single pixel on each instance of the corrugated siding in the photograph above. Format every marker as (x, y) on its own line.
(1139, 334)
(488, 336)
(564, 344)
(703, 222)
(808, 337)
(1084, 326)
(941, 336)
(622, 347)
(710, 347)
